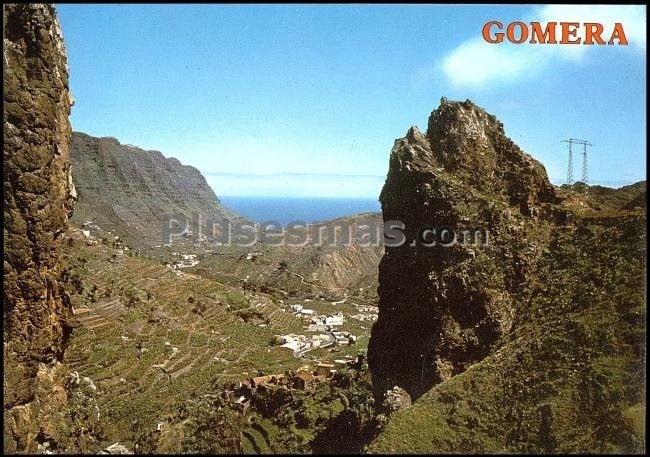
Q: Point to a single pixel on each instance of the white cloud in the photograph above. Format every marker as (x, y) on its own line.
(475, 63)
(632, 17)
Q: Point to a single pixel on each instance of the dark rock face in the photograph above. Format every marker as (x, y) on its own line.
(443, 308)
(37, 204)
(36, 182)
(130, 191)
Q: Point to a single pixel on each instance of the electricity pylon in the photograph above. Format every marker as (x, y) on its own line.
(584, 143)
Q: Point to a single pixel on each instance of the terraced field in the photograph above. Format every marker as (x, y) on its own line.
(253, 442)
(151, 338)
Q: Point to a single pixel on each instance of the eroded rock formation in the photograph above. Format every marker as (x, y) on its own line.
(37, 204)
(446, 306)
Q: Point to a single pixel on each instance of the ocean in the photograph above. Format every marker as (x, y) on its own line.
(289, 209)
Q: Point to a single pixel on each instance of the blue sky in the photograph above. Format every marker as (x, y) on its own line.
(307, 100)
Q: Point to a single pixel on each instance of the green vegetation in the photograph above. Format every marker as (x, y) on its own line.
(161, 344)
(336, 416)
(145, 347)
(569, 377)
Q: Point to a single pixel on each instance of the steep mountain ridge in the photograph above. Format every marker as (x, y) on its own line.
(333, 264)
(131, 192)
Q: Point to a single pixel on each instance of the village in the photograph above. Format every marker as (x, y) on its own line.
(327, 328)
(304, 378)
(186, 261)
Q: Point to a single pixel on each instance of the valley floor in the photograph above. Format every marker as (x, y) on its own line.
(150, 336)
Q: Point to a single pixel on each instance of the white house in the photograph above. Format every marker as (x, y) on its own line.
(334, 320)
(294, 345)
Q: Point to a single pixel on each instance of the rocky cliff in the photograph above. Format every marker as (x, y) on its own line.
(444, 307)
(130, 191)
(37, 204)
(530, 341)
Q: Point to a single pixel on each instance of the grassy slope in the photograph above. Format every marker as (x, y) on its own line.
(607, 197)
(570, 376)
(163, 314)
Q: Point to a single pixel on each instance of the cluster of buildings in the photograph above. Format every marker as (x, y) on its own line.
(365, 317)
(239, 394)
(303, 378)
(366, 313)
(344, 338)
(326, 327)
(86, 226)
(318, 323)
(87, 234)
(114, 241)
(299, 345)
(323, 323)
(301, 311)
(186, 261)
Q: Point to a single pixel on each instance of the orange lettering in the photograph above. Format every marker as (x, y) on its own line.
(591, 34)
(523, 34)
(546, 33)
(619, 34)
(547, 36)
(570, 29)
(498, 37)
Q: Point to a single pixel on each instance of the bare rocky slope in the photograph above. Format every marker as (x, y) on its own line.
(38, 197)
(335, 266)
(532, 342)
(131, 192)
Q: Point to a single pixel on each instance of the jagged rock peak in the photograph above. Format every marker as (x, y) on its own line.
(461, 127)
(470, 144)
(414, 134)
(443, 308)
